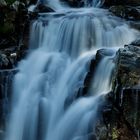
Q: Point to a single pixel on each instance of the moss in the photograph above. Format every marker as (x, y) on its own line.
(114, 134)
(6, 28)
(10, 1)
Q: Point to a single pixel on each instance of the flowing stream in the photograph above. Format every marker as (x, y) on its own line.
(45, 103)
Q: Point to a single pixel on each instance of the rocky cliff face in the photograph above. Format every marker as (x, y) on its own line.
(120, 117)
(127, 89)
(128, 65)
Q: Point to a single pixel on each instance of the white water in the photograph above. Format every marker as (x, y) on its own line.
(54, 4)
(45, 104)
(94, 3)
(101, 81)
(87, 28)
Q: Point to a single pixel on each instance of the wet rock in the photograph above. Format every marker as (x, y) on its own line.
(32, 2)
(132, 2)
(10, 57)
(131, 106)
(121, 2)
(15, 5)
(41, 8)
(124, 123)
(122, 132)
(3, 3)
(136, 42)
(74, 3)
(101, 131)
(6, 23)
(4, 62)
(13, 24)
(102, 53)
(127, 12)
(120, 117)
(135, 25)
(128, 67)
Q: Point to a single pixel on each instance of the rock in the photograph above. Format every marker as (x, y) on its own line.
(41, 8)
(109, 3)
(9, 58)
(101, 131)
(3, 61)
(120, 117)
(74, 3)
(131, 2)
(128, 68)
(15, 5)
(3, 3)
(127, 12)
(6, 22)
(13, 24)
(131, 106)
(32, 2)
(102, 53)
(124, 115)
(135, 25)
(136, 42)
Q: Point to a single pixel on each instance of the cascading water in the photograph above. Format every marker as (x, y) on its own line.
(94, 3)
(54, 4)
(5, 90)
(63, 45)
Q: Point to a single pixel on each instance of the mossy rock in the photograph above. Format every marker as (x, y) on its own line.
(115, 134)
(9, 2)
(7, 28)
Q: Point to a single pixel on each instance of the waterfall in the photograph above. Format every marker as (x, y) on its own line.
(101, 81)
(55, 4)
(86, 28)
(6, 77)
(45, 102)
(94, 3)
